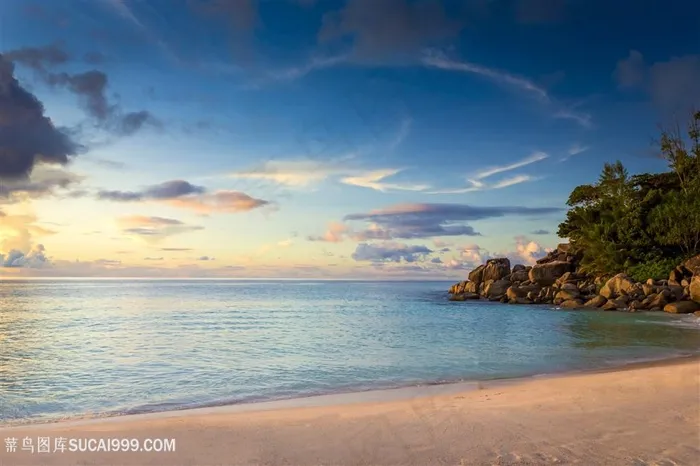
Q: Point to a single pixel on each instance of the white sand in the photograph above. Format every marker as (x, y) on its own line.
(646, 415)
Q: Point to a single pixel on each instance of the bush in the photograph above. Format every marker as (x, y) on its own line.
(658, 269)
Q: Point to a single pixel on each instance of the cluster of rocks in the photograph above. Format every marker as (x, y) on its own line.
(555, 279)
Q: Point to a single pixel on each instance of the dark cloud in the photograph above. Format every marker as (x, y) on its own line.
(540, 232)
(431, 220)
(673, 85)
(205, 258)
(41, 183)
(27, 136)
(389, 252)
(436, 260)
(36, 258)
(539, 11)
(166, 190)
(90, 87)
(378, 28)
(39, 58)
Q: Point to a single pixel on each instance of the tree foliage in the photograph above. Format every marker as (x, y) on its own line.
(641, 222)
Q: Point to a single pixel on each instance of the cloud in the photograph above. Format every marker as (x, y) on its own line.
(176, 249)
(476, 182)
(205, 258)
(19, 231)
(43, 182)
(527, 251)
(373, 180)
(389, 252)
(334, 234)
(574, 150)
(308, 173)
(90, 87)
(412, 221)
(35, 258)
(389, 27)
(673, 85)
(182, 194)
(402, 133)
(540, 232)
(166, 190)
(27, 136)
(222, 201)
(154, 228)
(293, 173)
(631, 71)
(436, 260)
(153, 258)
(536, 157)
(437, 59)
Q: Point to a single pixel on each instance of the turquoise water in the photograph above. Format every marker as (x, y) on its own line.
(81, 347)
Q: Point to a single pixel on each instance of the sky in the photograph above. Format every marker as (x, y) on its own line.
(358, 139)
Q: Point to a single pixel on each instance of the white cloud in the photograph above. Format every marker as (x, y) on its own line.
(535, 157)
(373, 180)
(574, 150)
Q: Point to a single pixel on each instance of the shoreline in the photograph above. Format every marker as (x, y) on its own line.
(643, 413)
(344, 398)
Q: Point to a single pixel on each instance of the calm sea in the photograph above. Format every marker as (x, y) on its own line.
(99, 347)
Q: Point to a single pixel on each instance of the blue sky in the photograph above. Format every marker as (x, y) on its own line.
(301, 138)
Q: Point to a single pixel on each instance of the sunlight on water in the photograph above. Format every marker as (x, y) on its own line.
(71, 348)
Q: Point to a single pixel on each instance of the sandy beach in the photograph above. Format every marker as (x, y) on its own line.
(645, 414)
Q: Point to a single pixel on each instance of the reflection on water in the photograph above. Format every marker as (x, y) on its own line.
(75, 347)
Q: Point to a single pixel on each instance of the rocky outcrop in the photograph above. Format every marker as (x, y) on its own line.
(682, 307)
(617, 285)
(556, 280)
(496, 269)
(548, 273)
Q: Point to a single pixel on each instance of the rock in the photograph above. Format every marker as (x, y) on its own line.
(497, 289)
(697, 313)
(659, 300)
(564, 278)
(693, 265)
(676, 292)
(547, 274)
(648, 289)
(566, 295)
(682, 307)
(636, 305)
(519, 267)
(679, 274)
(569, 287)
(520, 301)
(597, 301)
(477, 275)
(471, 287)
(532, 296)
(694, 288)
(519, 276)
(464, 296)
(651, 282)
(609, 306)
(617, 285)
(496, 269)
(621, 302)
(571, 304)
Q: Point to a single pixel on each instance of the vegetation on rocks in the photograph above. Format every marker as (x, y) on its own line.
(644, 224)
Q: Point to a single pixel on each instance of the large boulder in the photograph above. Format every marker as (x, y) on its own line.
(571, 304)
(496, 269)
(694, 288)
(547, 274)
(520, 275)
(682, 307)
(596, 301)
(496, 289)
(617, 285)
(679, 274)
(477, 275)
(693, 265)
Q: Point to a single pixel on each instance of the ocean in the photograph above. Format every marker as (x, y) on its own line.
(76, 348)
